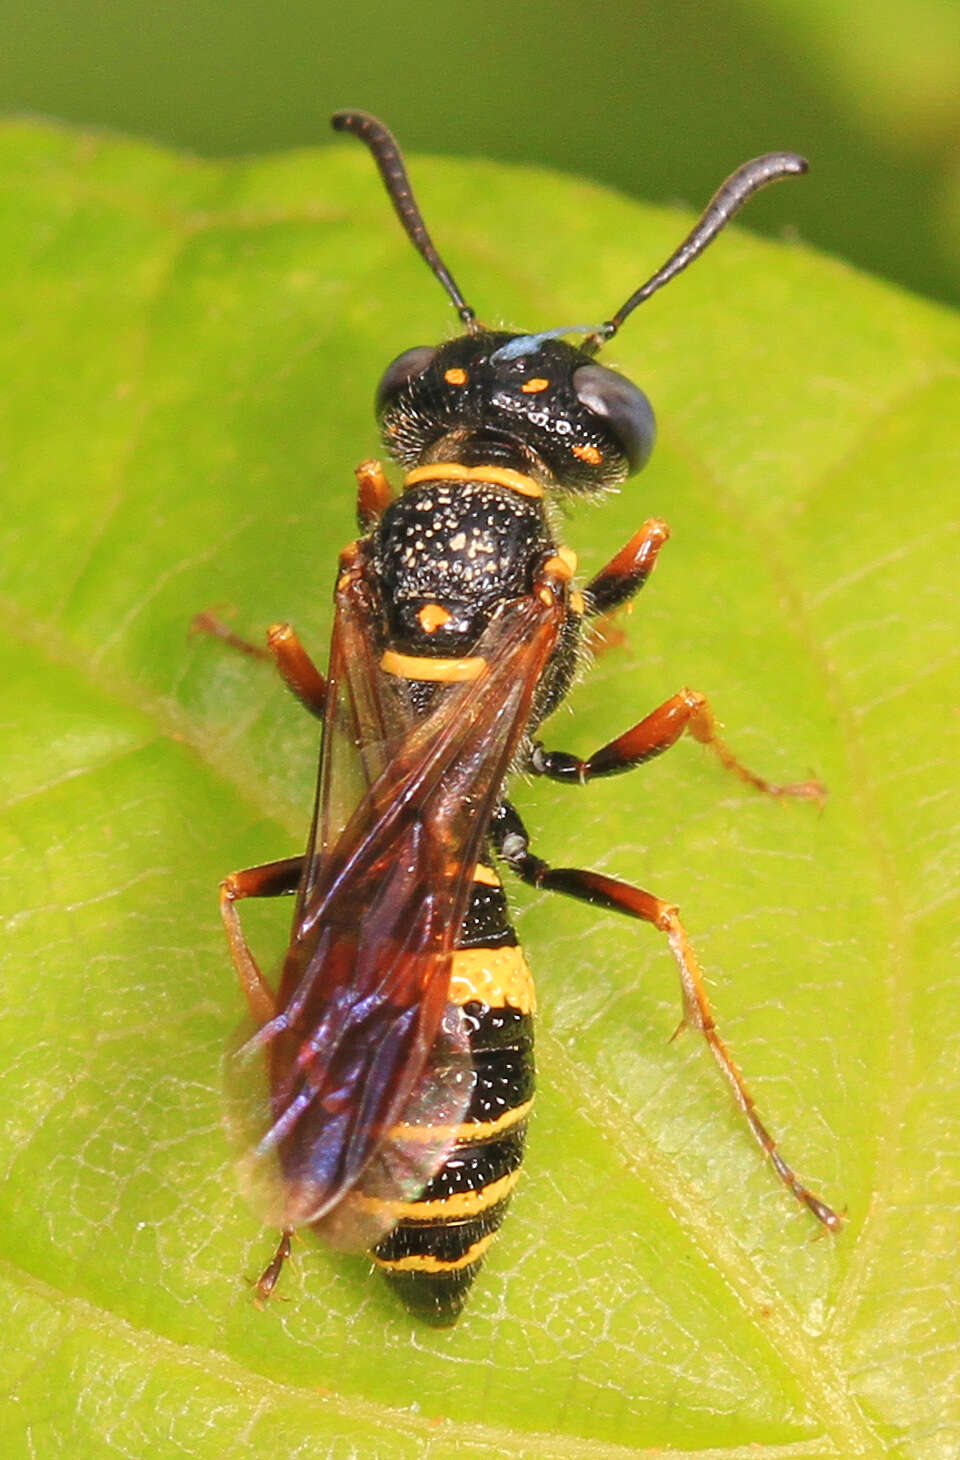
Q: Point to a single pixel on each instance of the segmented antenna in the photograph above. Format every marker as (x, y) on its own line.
(386, 154)
(728, 199)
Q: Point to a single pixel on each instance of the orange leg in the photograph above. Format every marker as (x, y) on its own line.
(628, 570)
(374, 493)
(512, 844)
(207, 622)
(268, 1279)
(283, 646)
(686, 711)
(273, 879)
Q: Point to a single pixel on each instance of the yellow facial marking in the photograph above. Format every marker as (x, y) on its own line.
(534, 385)
(589, 454)
(455, 377)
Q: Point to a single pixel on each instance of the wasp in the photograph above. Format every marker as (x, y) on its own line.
(382, 1094)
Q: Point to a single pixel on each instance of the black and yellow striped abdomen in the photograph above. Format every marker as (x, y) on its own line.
(433, 1254)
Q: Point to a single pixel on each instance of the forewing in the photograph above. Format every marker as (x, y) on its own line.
(413, 1149)
(357, 1046)
(366, 717)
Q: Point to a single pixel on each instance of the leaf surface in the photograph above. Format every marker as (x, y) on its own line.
(189, 358)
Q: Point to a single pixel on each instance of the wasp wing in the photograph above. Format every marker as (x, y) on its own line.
(364, 1044)
(366, 718)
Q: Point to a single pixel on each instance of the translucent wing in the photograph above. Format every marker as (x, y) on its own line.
(364, 1047)
(366, 718)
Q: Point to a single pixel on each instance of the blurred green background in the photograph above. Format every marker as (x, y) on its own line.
(660, 98)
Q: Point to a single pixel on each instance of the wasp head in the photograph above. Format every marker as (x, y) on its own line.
(531, 402)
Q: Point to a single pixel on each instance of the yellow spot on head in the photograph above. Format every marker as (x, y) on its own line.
(534, 385)
(455, 377)
(433, 616)
(589, 454)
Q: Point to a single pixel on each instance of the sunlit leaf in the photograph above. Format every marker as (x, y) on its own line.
(189, 354)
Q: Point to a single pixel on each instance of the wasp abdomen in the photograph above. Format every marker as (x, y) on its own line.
(436, 1249)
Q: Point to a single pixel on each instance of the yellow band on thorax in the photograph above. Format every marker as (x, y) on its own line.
(452, 471)
(422, 666)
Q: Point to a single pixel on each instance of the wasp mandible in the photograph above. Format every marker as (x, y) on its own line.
(384, 1090)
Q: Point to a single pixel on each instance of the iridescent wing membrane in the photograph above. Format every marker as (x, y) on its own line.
(350, 1095)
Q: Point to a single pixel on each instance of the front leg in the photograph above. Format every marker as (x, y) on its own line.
(513, 845)
(627, 570)
(374, 493)
(283, 646)
(685, 711)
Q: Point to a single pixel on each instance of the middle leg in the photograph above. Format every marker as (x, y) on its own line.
(513, 845)
(283, 646)
(685, 711)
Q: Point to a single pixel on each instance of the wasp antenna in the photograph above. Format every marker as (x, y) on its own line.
(387, 156)
(729, 199)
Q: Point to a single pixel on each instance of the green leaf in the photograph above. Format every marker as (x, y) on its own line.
(189, 356)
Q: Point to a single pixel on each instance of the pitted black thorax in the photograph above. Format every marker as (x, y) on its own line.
(462, 546)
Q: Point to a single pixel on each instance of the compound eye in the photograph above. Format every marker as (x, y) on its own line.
(402, 370)
(622, 406)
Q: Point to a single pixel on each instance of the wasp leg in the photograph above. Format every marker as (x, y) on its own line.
(207, 622)
(512, 844)
(374, 493)
(273, 879)
(268, 1279)
(296, 668)
(283, 646)
(685, 711)
(626, 573)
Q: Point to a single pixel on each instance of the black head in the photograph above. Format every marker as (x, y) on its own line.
(538, 405)
(533, 403)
